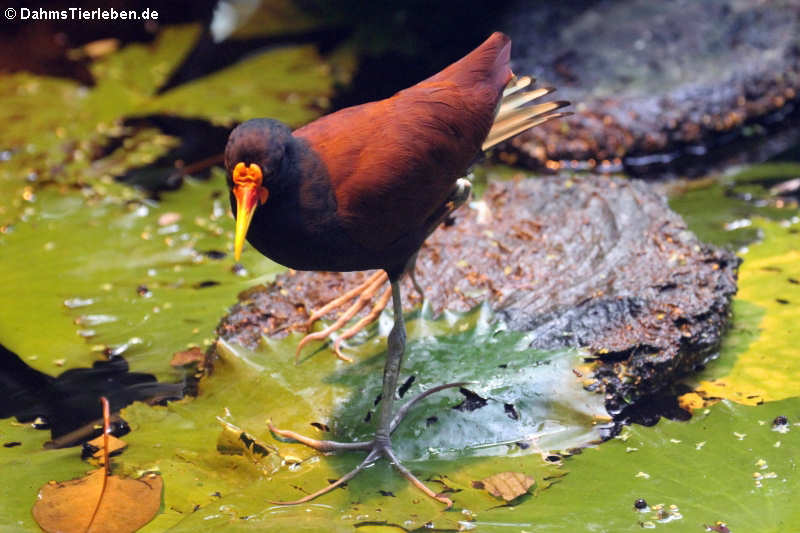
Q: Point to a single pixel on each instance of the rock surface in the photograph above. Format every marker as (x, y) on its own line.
(596, 262)
(656, 82)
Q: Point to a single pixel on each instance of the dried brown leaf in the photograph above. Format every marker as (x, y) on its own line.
(187, 357)
(506, 485)
(114, 444)
(125, 506)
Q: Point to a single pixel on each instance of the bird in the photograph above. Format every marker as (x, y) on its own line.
(363, 187)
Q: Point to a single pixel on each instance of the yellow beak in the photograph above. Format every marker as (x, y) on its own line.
(247, 199)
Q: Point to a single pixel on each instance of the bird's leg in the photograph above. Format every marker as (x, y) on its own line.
(381, 444)
(396, 347)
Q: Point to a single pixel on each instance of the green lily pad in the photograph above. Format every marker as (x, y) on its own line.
(759, 361)
(27, 466)
(107, 270)
(726, 465)
(534, 404)
(719, 210)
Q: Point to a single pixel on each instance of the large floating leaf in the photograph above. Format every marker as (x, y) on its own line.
(534, 403)
(759, 360)
(132, 276)
(727, 464)
(26, 466)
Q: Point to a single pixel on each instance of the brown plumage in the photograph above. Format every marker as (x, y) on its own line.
(356, 189)
(362, 188)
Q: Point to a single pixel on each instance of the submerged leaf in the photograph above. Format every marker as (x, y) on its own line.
(327, 399)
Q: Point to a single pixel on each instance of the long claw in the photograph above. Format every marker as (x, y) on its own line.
(379, 306)
(413, 479)
(320, 445)
(341, 481)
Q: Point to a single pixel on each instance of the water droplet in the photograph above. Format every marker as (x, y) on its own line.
(95, 320)
(72, 303)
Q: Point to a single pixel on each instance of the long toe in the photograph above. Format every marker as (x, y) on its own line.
(371, 317)
(364, 293)
(389, 454)
(321, 445)
(368, 460)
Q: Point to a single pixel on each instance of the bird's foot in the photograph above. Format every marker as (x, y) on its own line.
(362, 295)
(378, 447)
(376, 450)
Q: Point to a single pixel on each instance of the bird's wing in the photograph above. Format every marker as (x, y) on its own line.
(392, 163)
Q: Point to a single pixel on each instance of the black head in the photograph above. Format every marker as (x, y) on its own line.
(256, 160)
(262, 141)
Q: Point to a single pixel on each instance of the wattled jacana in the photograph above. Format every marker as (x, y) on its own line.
(362, 188)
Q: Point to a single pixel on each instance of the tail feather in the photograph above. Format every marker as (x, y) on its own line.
(517, 84)
(516, 101)
(514, 115)
(517, 116)
(494, 140)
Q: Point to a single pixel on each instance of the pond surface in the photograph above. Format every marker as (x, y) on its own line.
(93, 269)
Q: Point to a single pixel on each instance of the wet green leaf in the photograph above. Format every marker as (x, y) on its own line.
(759, 359)
(249, 388)
(719, 210)
(26, 467)
(727, 464)
(103, 270)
